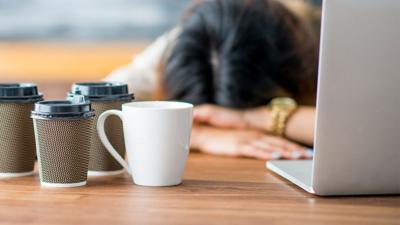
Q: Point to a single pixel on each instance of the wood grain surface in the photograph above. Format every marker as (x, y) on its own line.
(215, 190)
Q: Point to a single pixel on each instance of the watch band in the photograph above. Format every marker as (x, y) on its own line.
(280, 111)
(278, 126)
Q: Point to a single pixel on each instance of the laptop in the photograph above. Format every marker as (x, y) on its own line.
(357, 136)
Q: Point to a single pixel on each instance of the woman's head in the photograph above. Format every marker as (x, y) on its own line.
(241, 53)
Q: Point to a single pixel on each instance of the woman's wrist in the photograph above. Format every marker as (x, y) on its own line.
(258, 118)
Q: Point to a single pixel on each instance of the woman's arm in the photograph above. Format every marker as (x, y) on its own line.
(299, 127)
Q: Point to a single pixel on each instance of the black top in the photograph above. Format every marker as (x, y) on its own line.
(19, 93)
(102, 91)
(77, 108)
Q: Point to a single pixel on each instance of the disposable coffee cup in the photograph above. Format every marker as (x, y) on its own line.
(63, 131)
(105, 96)
(17, 140)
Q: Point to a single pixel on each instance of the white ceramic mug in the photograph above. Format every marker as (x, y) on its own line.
(157, 137)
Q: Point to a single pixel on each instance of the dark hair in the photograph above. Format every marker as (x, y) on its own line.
(241, 53)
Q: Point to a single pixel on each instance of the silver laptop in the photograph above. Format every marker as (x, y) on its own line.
(357, 137)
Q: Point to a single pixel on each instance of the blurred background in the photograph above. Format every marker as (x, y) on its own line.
(57, 42)
(62, 41)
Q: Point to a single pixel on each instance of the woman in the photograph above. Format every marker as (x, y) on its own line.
(236, 56)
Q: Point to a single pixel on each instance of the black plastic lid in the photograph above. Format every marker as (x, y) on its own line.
(19, 93)
(102, 91)
(77, 108)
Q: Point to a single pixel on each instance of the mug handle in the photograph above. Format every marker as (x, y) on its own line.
(103, 137)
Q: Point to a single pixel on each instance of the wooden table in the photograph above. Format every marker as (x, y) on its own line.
(215, 191)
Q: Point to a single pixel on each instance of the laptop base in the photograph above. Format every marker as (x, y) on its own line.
(298, 172)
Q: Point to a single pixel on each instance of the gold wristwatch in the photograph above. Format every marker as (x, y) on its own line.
(280, 110)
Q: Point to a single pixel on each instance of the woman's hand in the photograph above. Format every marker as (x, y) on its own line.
(222, 117)
(246, 143)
